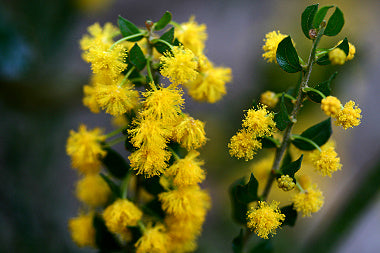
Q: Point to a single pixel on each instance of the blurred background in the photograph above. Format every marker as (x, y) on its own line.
(41, 79)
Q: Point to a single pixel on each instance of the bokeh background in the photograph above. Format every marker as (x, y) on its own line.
(41, 78)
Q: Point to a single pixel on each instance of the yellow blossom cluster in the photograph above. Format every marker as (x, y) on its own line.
(308, 201)
(272, 39)
(326, 161)
(269, 98)
(82, 230)
(286, 183)
(347, 116)
(256, 124)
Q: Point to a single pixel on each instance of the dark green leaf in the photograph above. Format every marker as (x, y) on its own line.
(321, 15)
(319, 133)
(265, 246)
(169, 37)
(335, 23)
(239, 209)
(324, 87)
(344, 46)
(291, 168)
(127, 28)
(290, 215)
(115, 163)
(287, 56)
(176, 42)
(237, 242)
(324, 60)
(282, 118)
(286, 160)
(137, 57)
(154, 208)
(248, 193)
(307, 19)
(105, 241)
(152, 185)
(114, 188)
(164, 20)
(269, 142)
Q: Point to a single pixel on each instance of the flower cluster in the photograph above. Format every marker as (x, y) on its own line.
(161, 139)
(256, 124)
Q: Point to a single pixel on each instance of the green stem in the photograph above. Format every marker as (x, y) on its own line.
(115, 132)
(306, 89)
(286, 95)
(126, 76)
(175, 24)
(116, 141)
(150, 75)
(176, 156)
(124, 185)
(126, 38)
(141, 226)
(296, 136)
(299, 187)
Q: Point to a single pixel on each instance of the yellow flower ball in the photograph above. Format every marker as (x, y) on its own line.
(327, 161)
(331, 106)
(265, 219)
(153, 240)
(190, 133)
(309, 201)
(93, 190)
(244, 145)
(349, 116)
(192, 35)
(269, 98)
(337, 56)
(82, 230)
(286, 183)
(272, 40)
(259, 122)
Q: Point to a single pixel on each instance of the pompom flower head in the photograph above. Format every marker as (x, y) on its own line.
(85, 149)
(97, 33)
(337, 56)
(120, 214)
(89, 98)
(259, 121)
(116, 99)
(351, 50)
(286, 183)
(187, 171)
(93, 190)
(269, 98)
(327, 161)
(192, 35)
(180, 66)
(331, 106)
(243, 145)
(265, 219)
(272, 40)
(153, 240)
(190, 133)
(309, 201)
(82, 231)
(349, 116)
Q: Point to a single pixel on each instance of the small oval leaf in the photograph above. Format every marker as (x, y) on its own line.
(319, 133)
(169, 37)
(115, 163)
(324, 87)
(137, 57)
(164, 20)
(307, 19)
(248, 193)
(321, 15)
(127, 28)
(287, 56)
(291, 168)
(335, 23)
(290, 215)
(282, 118)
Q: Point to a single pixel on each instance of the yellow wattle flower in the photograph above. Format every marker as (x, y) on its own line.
(337, 56)
(259, 122)
(331, 106)
(351, 50)
(115, 99)
(192, 35)
(82, 230)
(265, 219)
(327, 161)
(180, 66)
(190, 133)
(269, 99)
(97, 33)
(349, 116)
(272, 39)
(244, 145)
(93, 190)
(120, 214)
(286, 183)
(210, 84)
(149, 133)
(149, 161)
(187, 171)
(85, 149)
(89, 98)
(153, 240)
(309, 201)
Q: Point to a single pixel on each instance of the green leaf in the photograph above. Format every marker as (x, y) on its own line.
(114, 187)
(282, 118)
(286, 160)
(324, 60)
(137, 57)
(169, 37)
(115, 163)
(291, 168)
(248, 193)
(319, 133)
(164, 20)
(176, 42)
(324, 87)
(239, 209)
(290, 215)
(318, 18)
(287, 56)
(152, 185)
(344, 46)
(335, 23)
(307, 19)
(104, 239)
(269, 142)
(127, 28)
(237, 242)
(154, 208)
(265, 246)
